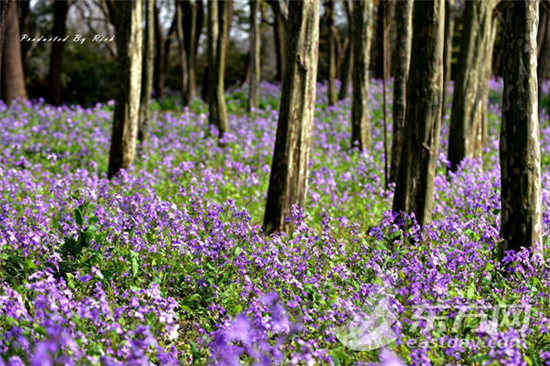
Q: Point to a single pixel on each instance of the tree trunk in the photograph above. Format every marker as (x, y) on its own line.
(181, 51)
(415, 183)
(13, 78)
(190, 31)
(362, 34)
(160, 71)
(347, 65)
(543, 47)
(24, 28)
(447, 52)
(127, 98)
(289, 169)
(521, 222)
(254, 98)
(148, 70)
(217, 33)
(61, 8)
(279, 31)
(485, 86)
(466, 131)
(402, 58)
(331, 51)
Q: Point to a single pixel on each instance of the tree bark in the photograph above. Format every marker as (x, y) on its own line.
(521, 222)
(217, 33)
(61, 8)
(362, 34)
(466, 131)
(181, 51)
(129, 42)
(447, 52)
(415, 183)
(289, 170)
(254, 97)
(13, 77)
(402, 58)
(347, 65)
(331, 51)
(148, 70)
(190, 31)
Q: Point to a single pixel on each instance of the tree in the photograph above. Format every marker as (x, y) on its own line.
(415, 182)
(190, 27)
(447, 51)
(347, 65)
(466, 131)
(254, 98)
(543, 45)
(128, 24)
(289, 169)
(330, 14)
(13, 77)
(162, 52)
(61, 8)
(148, 70)
(217, 33)
(181, 52)
(402, 57)
(362, 34)
(280, 14)
(521, 216)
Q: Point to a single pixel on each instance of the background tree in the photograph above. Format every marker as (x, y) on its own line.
(148, 69)
(13, 77)
(347, 64)
(401, 62)
(280, 14)
(448, 52)
(330, 15)
(543, 48)
(255, 72)
(128, 24)
(466, 131)
(415, 183)
(521, 217)
(191, 31)
(61, 8)
(217, 23)
(362, 33)
(289, 169)
(181, 53)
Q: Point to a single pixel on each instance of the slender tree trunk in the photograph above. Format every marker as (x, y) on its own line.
(466, 132)
(362, 34)
(148, 70)
(13, 78)
(402, 57)
(129, 40)
(61, 8)
(190, 31)
(24, 28)
(447, 52)
(181, 51)
(485, 87)
(279, 31)
(217, 33)
(415, 183)
(521, 221)
(331, 52)
(347, 65)
(543, 47)
(254, 98)
(289, 170)
(160, 71)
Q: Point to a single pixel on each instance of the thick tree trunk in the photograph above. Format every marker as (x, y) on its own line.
(289, 170)
(190, 31)
(402, 58)
(181, 51)
(466, 132)
(254, 97)
(61, 8)
(331, 51)
(13, 78)
(415, 183)
(347, 65)
(521, 222)
(148, 70)
(129, 42)
(217, 33)
(447, 52)
(362, 34)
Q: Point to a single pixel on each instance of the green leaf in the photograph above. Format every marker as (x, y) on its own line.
(78, 217)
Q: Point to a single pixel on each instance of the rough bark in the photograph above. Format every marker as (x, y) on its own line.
(447, 52)
(217, 33)
(347, 65)
(128, 27)
(402, 57)
(466, 131)
(61, 8)
(289, 170)
(362, 34)
(254, 96)
(330, 14)
(148, 70)
(521, 223)
(13, 78)
(415, 183)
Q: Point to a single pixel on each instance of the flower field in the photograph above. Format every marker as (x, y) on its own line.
(167, 263)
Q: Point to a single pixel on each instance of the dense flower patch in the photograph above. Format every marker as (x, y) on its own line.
(167, 264)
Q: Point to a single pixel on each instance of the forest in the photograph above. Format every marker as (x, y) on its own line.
(274, 182)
